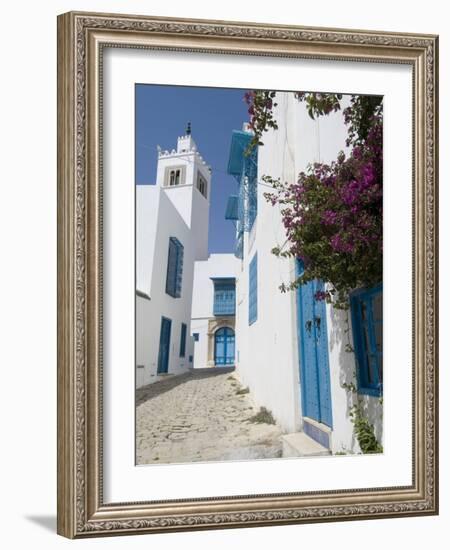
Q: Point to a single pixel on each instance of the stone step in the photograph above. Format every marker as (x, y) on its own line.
(299, 444)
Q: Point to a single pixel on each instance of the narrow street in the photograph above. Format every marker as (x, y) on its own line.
(202, 415)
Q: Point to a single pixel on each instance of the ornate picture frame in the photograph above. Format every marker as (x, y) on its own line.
(82, 39)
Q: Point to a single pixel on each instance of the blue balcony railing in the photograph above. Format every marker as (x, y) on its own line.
(224, 297)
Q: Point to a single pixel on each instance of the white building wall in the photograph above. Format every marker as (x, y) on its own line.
(163, 212)
(147, 205)
(268, 359)
(200, 224)
(194, 209)
(217, 265)
(200, 326)
(148, 316)
(144, 342)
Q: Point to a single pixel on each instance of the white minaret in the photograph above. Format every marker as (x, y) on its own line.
(186, 179)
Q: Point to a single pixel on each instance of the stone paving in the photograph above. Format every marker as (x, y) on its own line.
(200, 416)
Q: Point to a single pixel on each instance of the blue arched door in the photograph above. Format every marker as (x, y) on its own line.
(224, 347)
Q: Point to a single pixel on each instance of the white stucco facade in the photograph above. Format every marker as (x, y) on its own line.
(169, 209)
(268, 359)
(204, 322)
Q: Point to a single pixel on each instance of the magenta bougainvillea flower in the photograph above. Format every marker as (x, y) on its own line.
(333, 213)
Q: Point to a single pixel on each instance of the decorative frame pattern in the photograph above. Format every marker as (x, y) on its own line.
(81, 38)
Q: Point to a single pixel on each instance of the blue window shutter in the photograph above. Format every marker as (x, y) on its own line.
(224, 297)
(171, 269)
(196, 336)
(244, 167)
(180, 258)
(253, 290)
(232, 209)
(174, 268)
(183, 340)
(164, 346)
(367, 325)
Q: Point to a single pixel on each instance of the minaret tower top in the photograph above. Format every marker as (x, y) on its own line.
(185, 179)
(186, 143)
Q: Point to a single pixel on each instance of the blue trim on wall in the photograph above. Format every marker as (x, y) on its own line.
(322, 437)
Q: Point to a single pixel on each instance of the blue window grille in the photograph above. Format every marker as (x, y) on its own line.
(244, 167)
(174, 268)
(367, 324)
(224, 296)
(196, 336)
(183, 340)
(253, 290)
(251, 187)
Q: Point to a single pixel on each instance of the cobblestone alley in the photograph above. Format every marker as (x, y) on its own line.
(202, 415)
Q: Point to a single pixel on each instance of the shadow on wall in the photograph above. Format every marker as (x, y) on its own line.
(341, 341)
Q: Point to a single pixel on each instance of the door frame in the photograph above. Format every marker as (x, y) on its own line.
(164, 370)
(224, 328)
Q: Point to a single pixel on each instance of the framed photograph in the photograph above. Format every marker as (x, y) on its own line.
(247, 285)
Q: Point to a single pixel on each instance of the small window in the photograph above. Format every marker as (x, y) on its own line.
(196, 336)
(174, 177)
(367, 324)
(253, 290)
(174, 268)
(202, 185)
(183, 340)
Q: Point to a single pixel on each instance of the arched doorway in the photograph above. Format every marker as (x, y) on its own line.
(224, 347)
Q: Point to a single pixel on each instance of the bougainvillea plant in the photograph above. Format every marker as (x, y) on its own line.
(260, 109)
(333, 212)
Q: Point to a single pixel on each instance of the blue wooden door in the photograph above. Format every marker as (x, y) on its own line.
(313, 352)
(164, 345)
(224, 341)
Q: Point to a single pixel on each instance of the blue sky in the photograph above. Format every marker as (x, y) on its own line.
(162, 113)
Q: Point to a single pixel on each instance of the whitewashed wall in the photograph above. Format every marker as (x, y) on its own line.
(169, 223)
(147, 204)
(144, 342)
(187, 199)
(162, 212)
(268, 359)
(217, 265)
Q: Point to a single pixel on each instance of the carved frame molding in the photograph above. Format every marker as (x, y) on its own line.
(81, 39)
